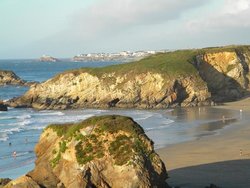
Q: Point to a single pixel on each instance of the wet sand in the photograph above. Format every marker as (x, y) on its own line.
(222, 159)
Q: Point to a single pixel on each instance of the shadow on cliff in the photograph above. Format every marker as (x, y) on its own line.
(222, 87)
(228, 174)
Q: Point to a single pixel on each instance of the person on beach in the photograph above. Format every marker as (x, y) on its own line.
(223, 119)
(14, 154)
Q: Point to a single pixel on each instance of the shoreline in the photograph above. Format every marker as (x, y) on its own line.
(222, 159)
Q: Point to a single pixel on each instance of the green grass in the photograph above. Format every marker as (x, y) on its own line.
(177, 63)
(91, 146)
(111, 124)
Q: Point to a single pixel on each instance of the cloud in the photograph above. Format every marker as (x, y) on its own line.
(117, 15)
(113, 25)
(232, 15)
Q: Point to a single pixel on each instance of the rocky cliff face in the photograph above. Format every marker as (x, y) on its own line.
(146, 90)
(10, 78)
(181, 78)
(226, 74)
(106, 151)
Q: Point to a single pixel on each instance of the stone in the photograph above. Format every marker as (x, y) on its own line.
(4, 181)
(3, 107)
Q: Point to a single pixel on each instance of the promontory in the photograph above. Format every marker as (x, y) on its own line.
(180, 78)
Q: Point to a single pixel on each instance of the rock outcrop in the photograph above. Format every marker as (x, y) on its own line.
(10, 78)
(3, 107)
(105, 151)
(145, 90)
(226, 74)
(47, 58)
(4, 181)
(180, 78)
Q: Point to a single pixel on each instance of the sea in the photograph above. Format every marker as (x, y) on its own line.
(20, 129)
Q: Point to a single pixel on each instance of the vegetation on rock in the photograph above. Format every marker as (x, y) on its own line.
(92, 145)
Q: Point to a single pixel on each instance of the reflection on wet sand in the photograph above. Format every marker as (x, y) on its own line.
(215, 119)
(201, 113)
(213, 126)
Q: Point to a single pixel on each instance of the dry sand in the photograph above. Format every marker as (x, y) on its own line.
(222, 159)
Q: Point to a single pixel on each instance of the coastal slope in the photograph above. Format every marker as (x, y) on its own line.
(104, 151)
(180, 78)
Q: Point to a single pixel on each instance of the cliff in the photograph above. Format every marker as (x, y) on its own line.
(181, 78)
(10, 78)
(104, 151)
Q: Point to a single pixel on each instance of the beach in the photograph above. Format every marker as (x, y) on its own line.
(222, 159)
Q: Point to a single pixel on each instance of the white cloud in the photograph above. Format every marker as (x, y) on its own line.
(232, 15)
(114, 25)
(115, 15)
(235, 6)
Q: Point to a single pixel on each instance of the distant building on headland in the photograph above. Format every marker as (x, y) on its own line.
(120, 56)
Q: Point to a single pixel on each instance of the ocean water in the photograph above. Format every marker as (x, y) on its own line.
(20, 128)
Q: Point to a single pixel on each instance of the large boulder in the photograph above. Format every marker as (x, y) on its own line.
(104, 151)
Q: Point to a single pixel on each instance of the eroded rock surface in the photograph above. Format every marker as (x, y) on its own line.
(226, 74)
(105, 151)
(144, 90)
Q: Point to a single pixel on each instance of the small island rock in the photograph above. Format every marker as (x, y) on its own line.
(47, 58)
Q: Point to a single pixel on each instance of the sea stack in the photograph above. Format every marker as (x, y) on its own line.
(104, 151)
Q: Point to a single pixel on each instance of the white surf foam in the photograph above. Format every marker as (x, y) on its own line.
(50, 113)
(143, 117)
(7, 118)
(25, 116)
(3, 136)
(165, 125)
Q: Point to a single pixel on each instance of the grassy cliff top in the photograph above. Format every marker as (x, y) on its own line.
(108, 123)
(97, 141)
(171, 63)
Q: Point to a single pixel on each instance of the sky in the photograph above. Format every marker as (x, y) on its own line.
(63, 28)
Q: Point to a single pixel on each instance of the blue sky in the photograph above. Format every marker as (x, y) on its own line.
(63, 28)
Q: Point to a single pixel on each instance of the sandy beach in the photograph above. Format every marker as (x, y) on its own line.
(222, 159)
